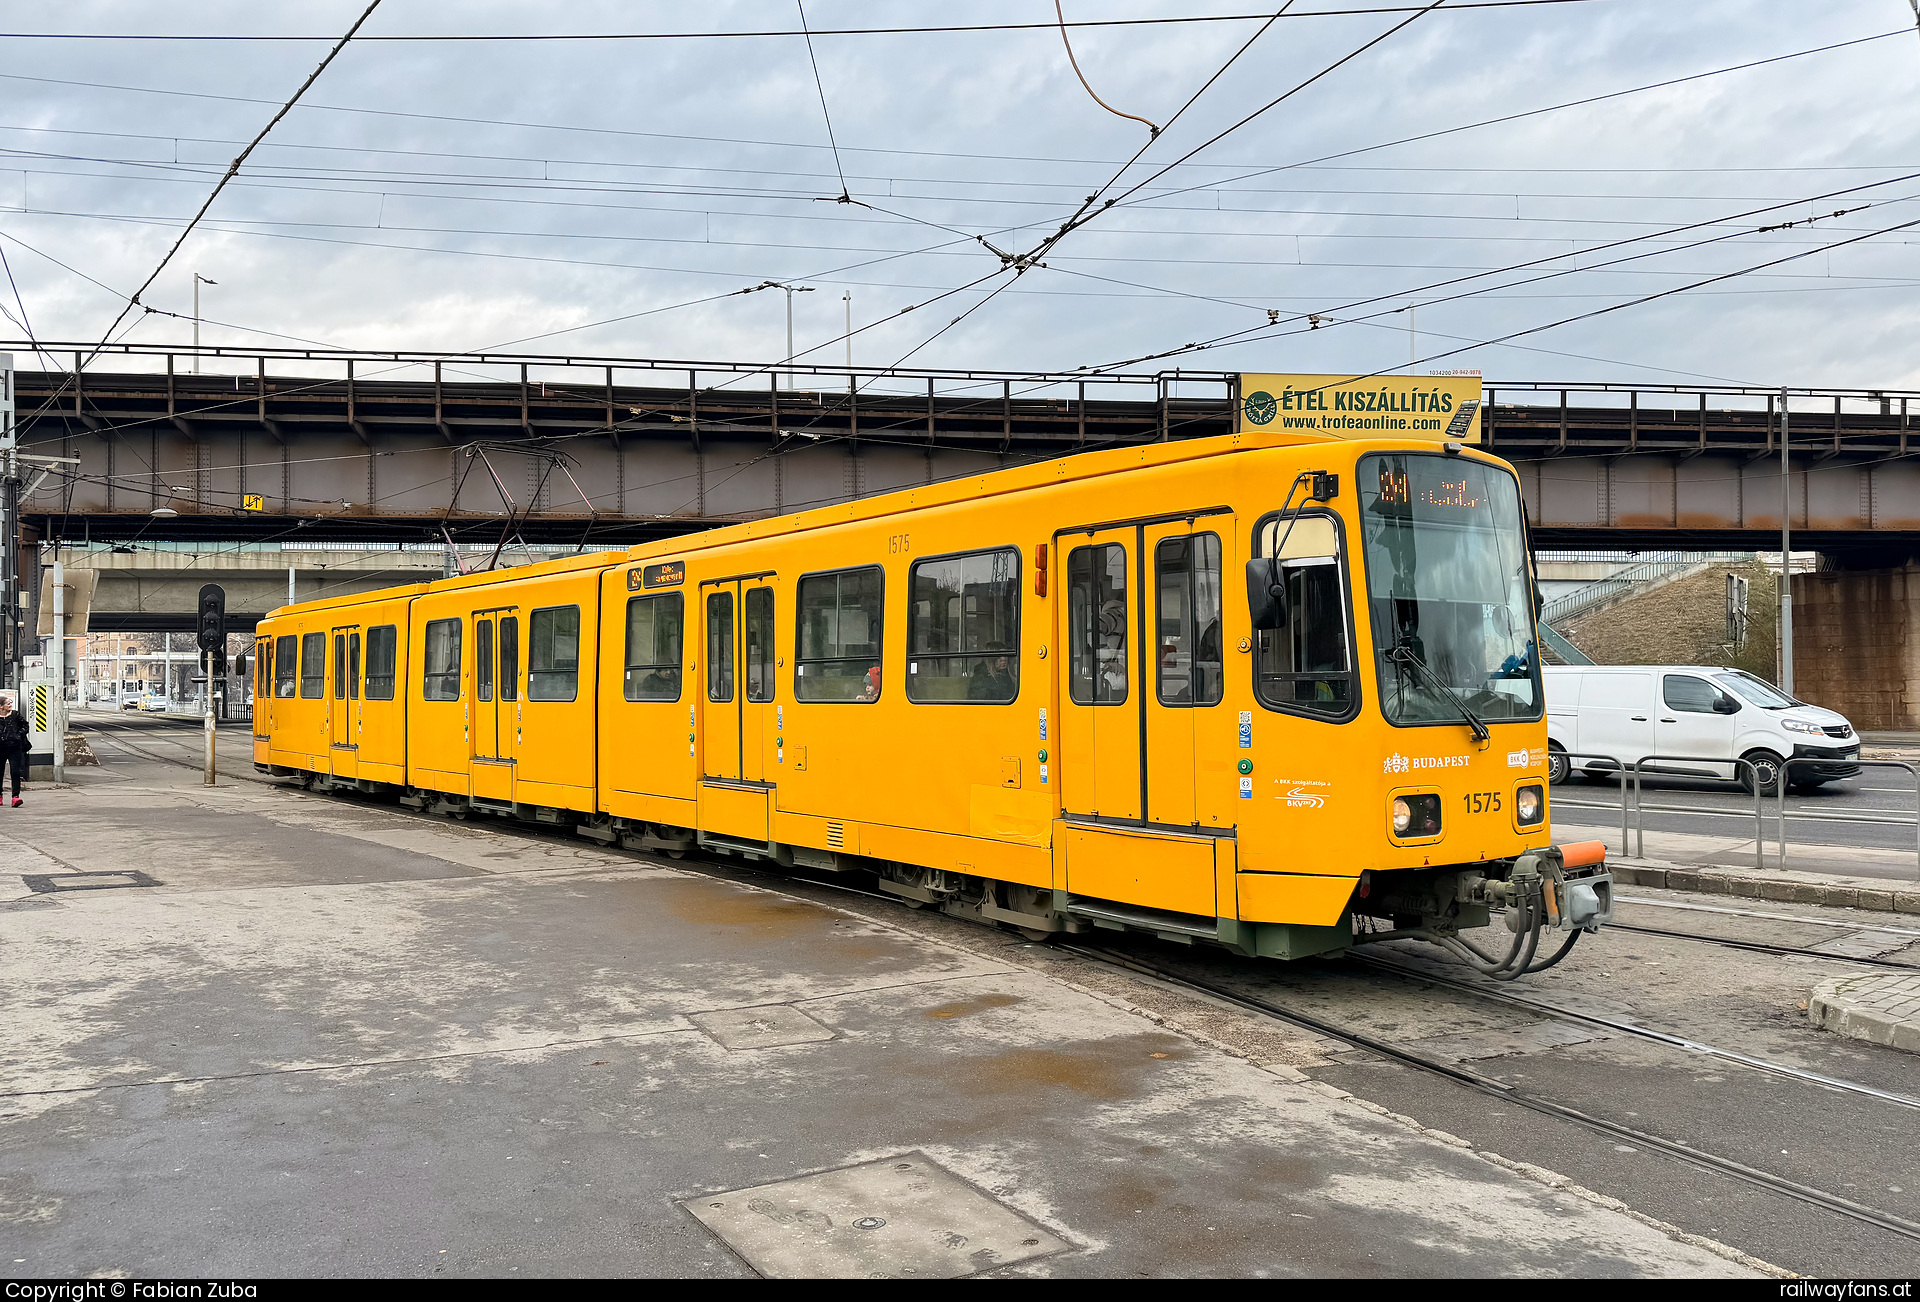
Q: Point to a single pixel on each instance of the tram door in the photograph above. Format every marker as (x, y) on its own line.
(496, 702)
(1101, 724)
(343, 726)
(737, 709)
(1184, 682)
(262, 689)
(1143, 663)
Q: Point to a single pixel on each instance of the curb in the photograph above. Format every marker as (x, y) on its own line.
(1833, 1007)
(1708, 881)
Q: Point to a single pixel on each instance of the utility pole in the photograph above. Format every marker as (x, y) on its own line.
(9, 529)
(846, 298)
(791, 291)
(198, 280)
(1786, 553)
(57, 662)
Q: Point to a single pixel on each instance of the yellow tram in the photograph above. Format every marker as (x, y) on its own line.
(1242, 689)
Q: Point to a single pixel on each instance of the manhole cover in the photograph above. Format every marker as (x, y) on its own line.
(901, 1218)
(765, 1027)
(48, 883)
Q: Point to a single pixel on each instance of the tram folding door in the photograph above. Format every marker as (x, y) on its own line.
(1101, 725)
(737, 710)
(1143, 639)
(496, 702)
(343, 719)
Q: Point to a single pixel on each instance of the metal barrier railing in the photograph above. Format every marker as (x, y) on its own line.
(1752, 782)
(1607, 766)
(1912, 770)
(1633, 805)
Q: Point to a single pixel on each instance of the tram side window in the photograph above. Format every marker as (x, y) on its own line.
(263, 668)
(653, 648)
(440, 661)
(286, 665)
(1306, 666)
(510, 658)
(840, 636)
(720, 646)
(963, 628)
(483, 660)
(553, 654)
(1097, 625)
(383, 647)
(340, 675)
(313, 666)
(759, 613)
(1187, 577)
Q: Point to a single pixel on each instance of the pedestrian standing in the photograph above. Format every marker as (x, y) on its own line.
(14, 741)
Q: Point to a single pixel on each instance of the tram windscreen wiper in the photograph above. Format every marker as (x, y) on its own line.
(1404, 654)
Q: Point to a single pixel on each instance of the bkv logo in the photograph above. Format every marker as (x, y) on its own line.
(1298, 799)
(1396, 764)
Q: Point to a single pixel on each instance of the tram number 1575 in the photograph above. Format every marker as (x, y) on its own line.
(1482, 802)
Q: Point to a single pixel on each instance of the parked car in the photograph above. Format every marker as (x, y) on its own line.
(1680, 718)
(154, 701)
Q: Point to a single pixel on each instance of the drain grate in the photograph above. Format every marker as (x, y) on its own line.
(903, 1217)
(49, 883)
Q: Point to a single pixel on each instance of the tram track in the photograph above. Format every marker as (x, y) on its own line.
(1488, 1086)
(1696, 1157)
(1763, 947)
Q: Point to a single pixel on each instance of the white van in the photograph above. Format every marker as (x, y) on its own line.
(1679, 717)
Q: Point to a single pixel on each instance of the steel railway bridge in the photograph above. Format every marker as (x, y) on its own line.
(396, 447)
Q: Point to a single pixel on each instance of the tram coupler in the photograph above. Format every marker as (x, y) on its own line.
(1570, 882)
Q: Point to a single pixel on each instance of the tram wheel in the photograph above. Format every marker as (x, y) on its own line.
(1037, 936)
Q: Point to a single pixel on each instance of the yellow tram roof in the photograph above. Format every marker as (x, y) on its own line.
(990, 483)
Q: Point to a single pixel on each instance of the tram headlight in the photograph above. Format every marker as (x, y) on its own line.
(1416, 816)
(1529, 807)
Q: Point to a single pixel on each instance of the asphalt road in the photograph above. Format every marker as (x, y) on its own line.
(1875, 809)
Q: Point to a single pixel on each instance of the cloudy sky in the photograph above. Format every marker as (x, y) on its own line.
(612, 196)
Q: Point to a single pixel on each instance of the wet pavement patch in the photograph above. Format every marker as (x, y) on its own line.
(48, 883)
(968, 1007)
(765, 1027)
(902, 1217)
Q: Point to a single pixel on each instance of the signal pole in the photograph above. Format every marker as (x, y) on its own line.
(213, 655)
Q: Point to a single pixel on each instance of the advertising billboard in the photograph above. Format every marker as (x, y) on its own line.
(1444, 408)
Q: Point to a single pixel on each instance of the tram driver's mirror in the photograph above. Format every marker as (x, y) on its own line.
(1266, 593)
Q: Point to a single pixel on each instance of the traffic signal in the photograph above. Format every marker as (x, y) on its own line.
(213, 618)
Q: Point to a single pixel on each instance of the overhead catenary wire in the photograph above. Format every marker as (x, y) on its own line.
(762, 33)
(1095, 95)
(1087, 212)
(233, 169)
(813, 61)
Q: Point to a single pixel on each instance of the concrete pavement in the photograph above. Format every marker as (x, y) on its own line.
(332, 1039)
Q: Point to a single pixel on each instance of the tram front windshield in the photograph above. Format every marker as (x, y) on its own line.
(1448, 589)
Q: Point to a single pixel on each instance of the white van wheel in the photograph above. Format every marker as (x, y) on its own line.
(1766, 771)
(1559, 767)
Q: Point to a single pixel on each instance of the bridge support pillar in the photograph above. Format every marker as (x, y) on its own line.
(1857, 644)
